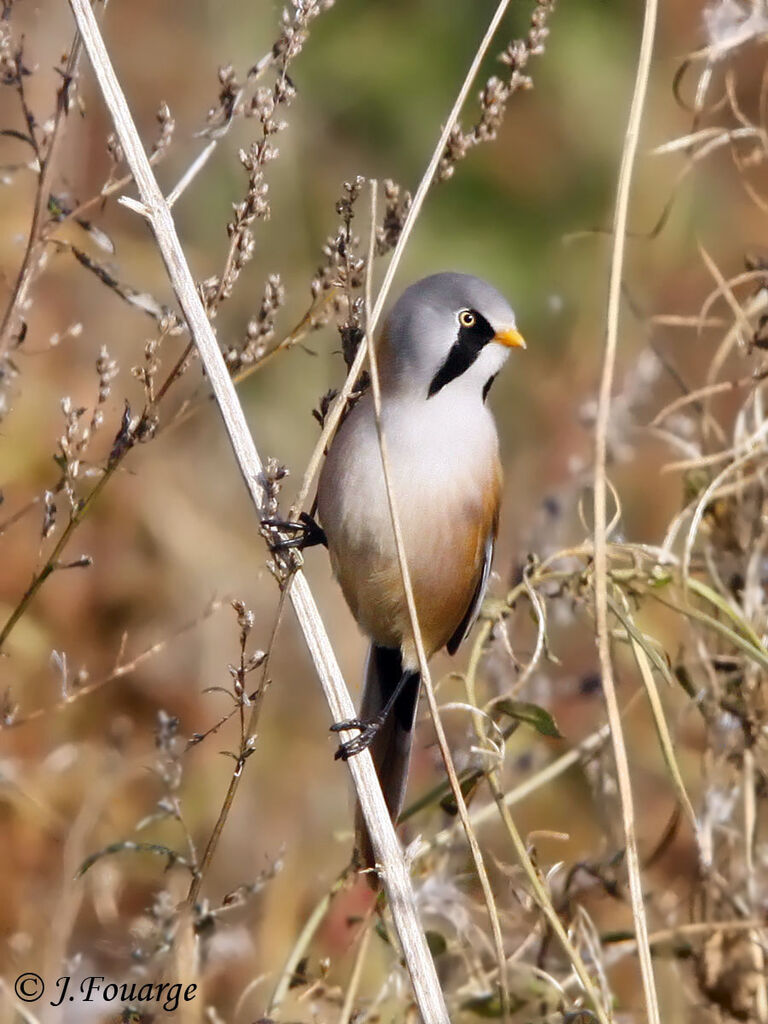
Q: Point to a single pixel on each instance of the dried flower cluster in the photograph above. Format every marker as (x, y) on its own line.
(265, 106)
(261, 328)
(497, 91)
(79, 430)
(397, 203)
(341, 275)
(166, 128)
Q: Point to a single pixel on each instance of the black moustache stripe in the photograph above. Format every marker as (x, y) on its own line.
(459, 360)
(464, 351)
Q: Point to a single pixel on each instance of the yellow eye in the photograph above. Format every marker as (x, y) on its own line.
(467, 318)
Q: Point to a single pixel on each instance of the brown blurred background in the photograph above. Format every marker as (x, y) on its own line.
(174, 530)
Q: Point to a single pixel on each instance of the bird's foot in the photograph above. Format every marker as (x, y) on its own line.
(367, 733)
(308, 533)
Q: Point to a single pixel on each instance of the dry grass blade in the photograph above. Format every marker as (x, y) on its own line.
(418, 959)
(724, 288)
(703, 502)
(660, 721)
(502, 803)
(426, 678)
(545, 903)
(354, 981)
(700, 588)
(300, 946)
(482, 815)
(749, 783)
(601, 553)
(756, 654)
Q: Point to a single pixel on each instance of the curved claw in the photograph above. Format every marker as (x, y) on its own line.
(359, 743)
(355, 746)
(308, 533)
(347, 724)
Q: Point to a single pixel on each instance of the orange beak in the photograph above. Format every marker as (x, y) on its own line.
(511, 338)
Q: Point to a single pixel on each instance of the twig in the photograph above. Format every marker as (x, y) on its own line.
(107, 190)
(191, 173)
(19, 514)
(418, 959)
(124, 668)
(32, 253)
(52, 564)
(246, 731)
(600, 513)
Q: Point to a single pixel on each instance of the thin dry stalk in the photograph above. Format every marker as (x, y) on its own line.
(545, 903)
(426, 678)
(12, 1008)
(600, 512)
(247, 732)
(35, 242)
(418, 959)
(502, 803)
(749, 781)
(357, 970)
(121, 669)
(300, 946)
(334, 415)
(660, 721)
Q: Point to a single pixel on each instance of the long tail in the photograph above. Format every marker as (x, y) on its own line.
(391, 748)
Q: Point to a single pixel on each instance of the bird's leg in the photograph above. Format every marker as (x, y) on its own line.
(368, 728)
(308, 532)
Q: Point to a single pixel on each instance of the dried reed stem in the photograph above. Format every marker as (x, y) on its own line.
(417, 957)
(600, 532)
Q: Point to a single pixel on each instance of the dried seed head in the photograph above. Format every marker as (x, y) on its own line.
(114, 148)
(496, 93)
(166, 125)
(49, 514)
(107, 369)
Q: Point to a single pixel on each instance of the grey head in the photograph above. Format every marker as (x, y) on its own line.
(447, 333)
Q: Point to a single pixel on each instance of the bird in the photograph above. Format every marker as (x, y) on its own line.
(438, 353)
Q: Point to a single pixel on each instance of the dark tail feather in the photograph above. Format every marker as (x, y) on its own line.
(391, 748)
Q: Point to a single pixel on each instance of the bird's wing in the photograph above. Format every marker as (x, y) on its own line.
(472, 612)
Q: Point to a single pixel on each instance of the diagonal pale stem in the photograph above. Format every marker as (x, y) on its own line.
(426, 987)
